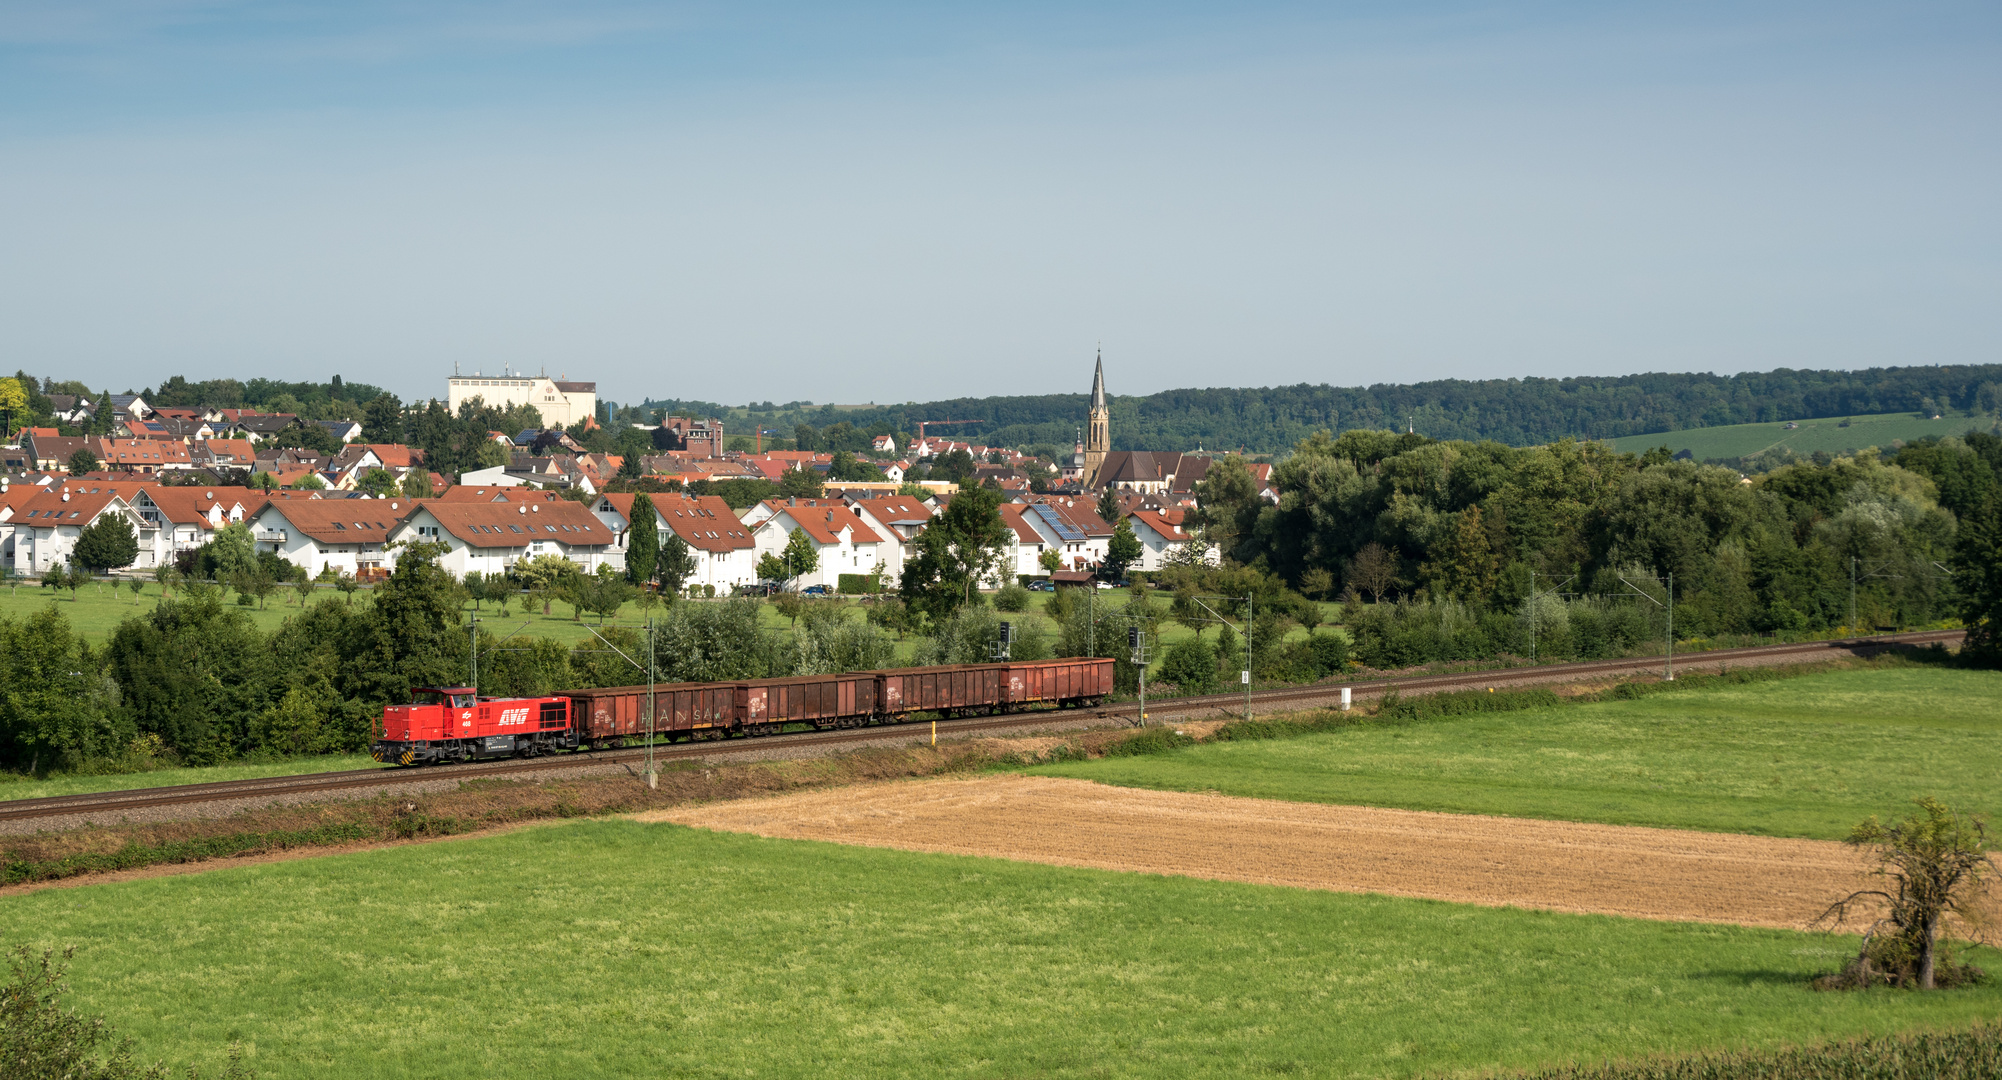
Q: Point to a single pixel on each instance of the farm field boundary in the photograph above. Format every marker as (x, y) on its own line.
(1628, 871)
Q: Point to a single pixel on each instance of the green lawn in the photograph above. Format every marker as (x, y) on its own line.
(1810, 757)
(612, 948)
(17, 786)
(1738, 440)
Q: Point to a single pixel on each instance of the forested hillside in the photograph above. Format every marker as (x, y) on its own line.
(1520, 412)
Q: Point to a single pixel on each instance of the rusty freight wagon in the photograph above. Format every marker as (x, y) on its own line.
(765, 706)
(1072, 680)
(609, 715)
(953, 689)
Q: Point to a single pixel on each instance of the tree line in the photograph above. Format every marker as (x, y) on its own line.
(1573, 549)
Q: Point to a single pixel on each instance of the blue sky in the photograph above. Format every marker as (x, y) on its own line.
(880, 202)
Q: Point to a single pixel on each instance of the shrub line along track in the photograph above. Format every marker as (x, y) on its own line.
(228, 790)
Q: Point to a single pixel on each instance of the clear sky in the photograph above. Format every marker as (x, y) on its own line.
(879, 202)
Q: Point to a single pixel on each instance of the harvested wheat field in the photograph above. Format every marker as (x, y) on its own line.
(1553, 865)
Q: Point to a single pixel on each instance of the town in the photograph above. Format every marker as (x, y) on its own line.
(338, 497)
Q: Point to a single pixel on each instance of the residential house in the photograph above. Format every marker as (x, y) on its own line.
(884, 444)
(144, 457)
(46, 526)
(846, 544)
(129, 407)
(898, 519)
(348, 535)
(71, 408)
(490, 537)
(1162, 537)
(725, 554)
(257, 427)
(222, 454)
(346, 431)
(1026, 544)
(51, 452)
(1070, 527)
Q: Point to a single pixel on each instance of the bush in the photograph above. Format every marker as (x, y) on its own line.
(1012, 597)
(1191, 665)
(858, 584)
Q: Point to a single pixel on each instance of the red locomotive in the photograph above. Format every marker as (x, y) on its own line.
(456, 724)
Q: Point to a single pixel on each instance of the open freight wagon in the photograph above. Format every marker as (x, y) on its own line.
(607, 716)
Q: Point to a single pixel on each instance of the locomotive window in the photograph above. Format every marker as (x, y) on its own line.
(426, 697)
(462, 701)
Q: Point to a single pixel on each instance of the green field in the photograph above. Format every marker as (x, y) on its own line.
(1808, 757)
(612, 948)
(1739, 440)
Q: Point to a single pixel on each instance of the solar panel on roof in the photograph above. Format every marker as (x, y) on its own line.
(1065, 530)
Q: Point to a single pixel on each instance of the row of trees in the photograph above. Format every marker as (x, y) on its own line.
(1493, 548)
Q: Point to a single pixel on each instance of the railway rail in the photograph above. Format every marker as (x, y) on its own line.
(332, 782)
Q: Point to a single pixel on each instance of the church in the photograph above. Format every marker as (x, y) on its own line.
(1094, 465)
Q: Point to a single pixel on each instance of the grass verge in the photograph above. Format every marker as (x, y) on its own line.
(1974, 1054)
(611, 948)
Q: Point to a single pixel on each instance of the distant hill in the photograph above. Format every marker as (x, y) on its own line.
(1831, 434)
(1516, 411)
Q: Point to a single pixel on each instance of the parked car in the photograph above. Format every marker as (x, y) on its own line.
(817, 590)
(1041, 585)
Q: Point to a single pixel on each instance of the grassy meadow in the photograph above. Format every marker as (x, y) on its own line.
(1829, 434)
(1808, 756)
(612, 948)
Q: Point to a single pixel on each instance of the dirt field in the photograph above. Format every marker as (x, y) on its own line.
(1558, 866)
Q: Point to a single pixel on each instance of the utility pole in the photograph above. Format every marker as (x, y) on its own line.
(652, 775)
(1245, 675)
(473, 650)
(1668, 667)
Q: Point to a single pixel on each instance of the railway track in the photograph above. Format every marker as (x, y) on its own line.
(112, 802)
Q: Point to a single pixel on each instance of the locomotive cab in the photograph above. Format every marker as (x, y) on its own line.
(455, 723)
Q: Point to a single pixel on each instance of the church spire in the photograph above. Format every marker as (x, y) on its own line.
(1098, 384)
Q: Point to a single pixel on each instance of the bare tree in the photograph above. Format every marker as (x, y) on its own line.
(1374, 570)
(1935, 863)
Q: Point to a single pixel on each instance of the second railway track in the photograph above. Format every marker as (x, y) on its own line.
(112, 802)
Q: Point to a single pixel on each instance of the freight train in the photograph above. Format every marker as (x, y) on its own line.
(443, 725)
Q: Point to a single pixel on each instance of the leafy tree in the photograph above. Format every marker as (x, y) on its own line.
(1934, 863)
(1122, 551)
(83, 461)
(956, 551)
(1192, 665)
(603, 593)
(492, 455)
(309, 482)
(804, 437)
(953, 465)
(382, 420)
(417, 483)
(377, 482)
(1051, 560)
(676, 563)
(1227, 506)
(772, 568)
(13, 400)
(104, 419)
(107, 544)
(799, 484)
(643, 541)
(264, 481)
(801, 555)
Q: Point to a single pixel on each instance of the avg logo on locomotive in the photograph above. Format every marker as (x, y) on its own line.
(456, 724)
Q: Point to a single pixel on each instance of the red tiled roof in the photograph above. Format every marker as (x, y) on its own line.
(823, 520)
(706, 522)
(491, 525)
(1158, 522)
(341, 521)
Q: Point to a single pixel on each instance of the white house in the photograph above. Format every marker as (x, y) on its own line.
(845, 544)
(885, 444)
(1072, 528)
(46, 527)
(1162, 539)
(491, 536)
(348, 535)
(725, 554)
(898, 519)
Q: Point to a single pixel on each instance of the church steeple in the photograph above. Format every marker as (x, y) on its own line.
(1098, 437)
